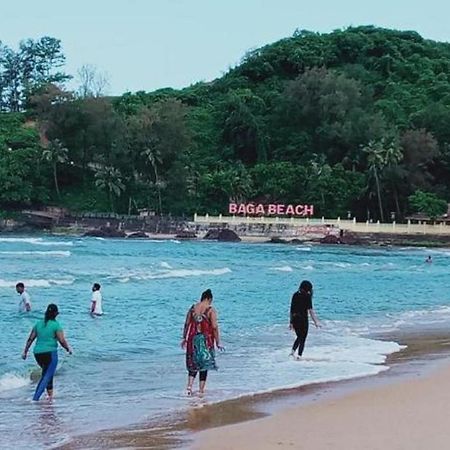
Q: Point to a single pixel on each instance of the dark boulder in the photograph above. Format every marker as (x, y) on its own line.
(105, 232)
(330, 239)
(212, 234)
(224, 235)
(351, 239)
(277, 240)
(137, 235)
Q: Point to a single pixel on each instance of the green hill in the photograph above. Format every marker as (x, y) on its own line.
(354, 120)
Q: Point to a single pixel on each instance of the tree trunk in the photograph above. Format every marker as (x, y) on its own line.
(55, 177)
(159, 201)
(158, 189)
(397, 204)
(380, 205)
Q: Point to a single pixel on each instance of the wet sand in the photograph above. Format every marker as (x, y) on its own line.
(417, 373)
(412, 414)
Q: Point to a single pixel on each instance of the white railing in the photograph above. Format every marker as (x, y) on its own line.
(351, 225)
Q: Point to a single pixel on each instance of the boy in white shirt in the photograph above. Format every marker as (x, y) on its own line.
(25, 299)
(96, 305)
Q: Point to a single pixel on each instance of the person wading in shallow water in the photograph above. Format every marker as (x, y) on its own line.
(47, 333)
(201, 333)
(301, 305)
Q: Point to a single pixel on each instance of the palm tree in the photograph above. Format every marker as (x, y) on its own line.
(56, 154)
(394, 173)
(109, 179)
(382, 158)
(153, 157)
(376, 163)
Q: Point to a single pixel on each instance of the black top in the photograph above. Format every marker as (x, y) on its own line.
(300, 304)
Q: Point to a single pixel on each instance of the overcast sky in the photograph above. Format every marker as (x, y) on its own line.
(149, 44)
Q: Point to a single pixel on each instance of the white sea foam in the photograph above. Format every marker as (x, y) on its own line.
(342, 265)
(11, 380)
(307, 267)
(283, 269)
(172, 273)
(303, 249)
(165, 265)
(55, 253)
(332, 355)
(35, 241)
(38, 282)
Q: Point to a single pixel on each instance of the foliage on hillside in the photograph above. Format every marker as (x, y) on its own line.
(355, 120)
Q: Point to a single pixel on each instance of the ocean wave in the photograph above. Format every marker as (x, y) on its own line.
(38, 282)
(165, 265)
(307, 267)
(342, 265)
(35, 241)
(11, 380)
(56, 253)
(303, 249)
(283, 269)
(173, 273)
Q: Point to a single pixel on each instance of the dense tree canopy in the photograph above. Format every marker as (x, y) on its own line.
(356, 121)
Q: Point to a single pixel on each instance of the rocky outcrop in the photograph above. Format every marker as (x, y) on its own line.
(137, 235)
(345, 237)
(330, 239)
(212, 234)
(226, 235)
(223, 235)
(277, 240)
(105, 232)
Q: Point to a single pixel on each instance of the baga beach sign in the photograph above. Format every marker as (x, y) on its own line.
(271, 209)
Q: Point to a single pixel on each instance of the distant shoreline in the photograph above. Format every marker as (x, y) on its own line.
(357, 239)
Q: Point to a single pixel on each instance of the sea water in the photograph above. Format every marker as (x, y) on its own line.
(128, 367)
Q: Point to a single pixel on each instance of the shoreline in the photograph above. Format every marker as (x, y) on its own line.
(321, 419)
(427, 351)
(361, 240)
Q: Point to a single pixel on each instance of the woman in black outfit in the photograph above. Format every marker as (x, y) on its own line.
(301, 305)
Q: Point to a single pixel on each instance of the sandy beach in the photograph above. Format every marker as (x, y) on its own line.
(411, 414)
(405, 407)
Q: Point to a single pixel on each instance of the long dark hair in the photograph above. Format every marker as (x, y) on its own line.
(206, 295)
(306, 288)
(51, 313)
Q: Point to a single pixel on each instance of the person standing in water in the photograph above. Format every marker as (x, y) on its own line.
(201, 333)
(25, 299)
(429, 260)
(47, 333)
(301, 306)
(96, 302)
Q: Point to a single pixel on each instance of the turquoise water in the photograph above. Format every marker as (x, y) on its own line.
(127, 365)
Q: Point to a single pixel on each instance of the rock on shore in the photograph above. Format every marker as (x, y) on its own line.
(105, 232)
(223, 235)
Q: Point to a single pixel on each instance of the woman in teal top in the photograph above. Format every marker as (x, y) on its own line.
(48, 333)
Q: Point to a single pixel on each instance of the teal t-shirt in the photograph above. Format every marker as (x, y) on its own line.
(46, 336)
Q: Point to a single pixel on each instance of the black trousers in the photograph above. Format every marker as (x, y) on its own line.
(44, 360)
(203, 374)
(301, 326)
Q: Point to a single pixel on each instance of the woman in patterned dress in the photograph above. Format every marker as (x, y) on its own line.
(200, 335)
